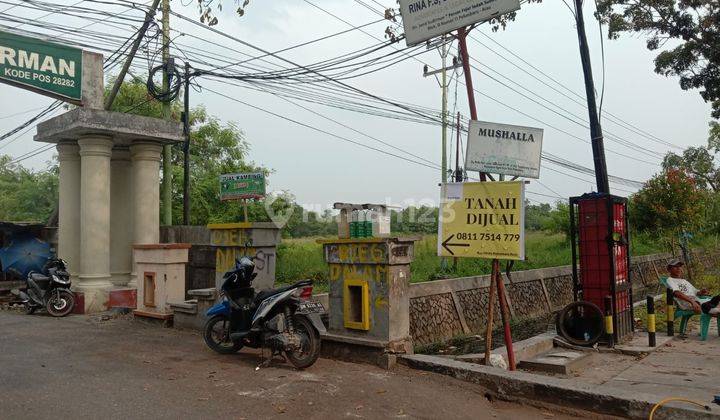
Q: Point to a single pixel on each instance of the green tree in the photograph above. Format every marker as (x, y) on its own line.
(686, 31)
(668, 204)
(559, 220)
(216, 148)
(698, 162)
(27, 195)
(537, 216)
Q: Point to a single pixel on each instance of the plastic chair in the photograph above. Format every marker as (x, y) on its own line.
(685, 316)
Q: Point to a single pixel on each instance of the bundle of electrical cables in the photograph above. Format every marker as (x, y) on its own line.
(174, 82)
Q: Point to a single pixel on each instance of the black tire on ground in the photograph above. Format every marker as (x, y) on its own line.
(217, 335)
(581, 323)
(309, 350)
(30, 309)
(60, 303)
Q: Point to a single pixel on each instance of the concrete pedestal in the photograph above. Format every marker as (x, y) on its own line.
(255, 240)
(161, 278)
(368, 300)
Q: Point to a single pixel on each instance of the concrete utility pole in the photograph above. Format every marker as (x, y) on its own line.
(167, 109)
(596, 134)
(443, 53)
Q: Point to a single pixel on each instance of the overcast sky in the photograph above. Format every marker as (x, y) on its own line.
(319, 169)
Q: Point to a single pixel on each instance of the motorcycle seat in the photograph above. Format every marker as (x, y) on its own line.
(37, 277)
(264, 294)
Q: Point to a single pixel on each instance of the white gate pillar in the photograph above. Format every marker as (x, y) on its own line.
(146, 195)
(69, 206)
(121, 218)
(94, 278)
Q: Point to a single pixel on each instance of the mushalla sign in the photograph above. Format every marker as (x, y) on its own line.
(48, 68)
(483, 220)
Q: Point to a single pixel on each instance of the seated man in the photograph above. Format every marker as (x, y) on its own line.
(687, 297)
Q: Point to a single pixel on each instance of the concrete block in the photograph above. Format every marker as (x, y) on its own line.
(563, 362)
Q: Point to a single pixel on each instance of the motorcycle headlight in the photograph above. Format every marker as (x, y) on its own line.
(59, 280)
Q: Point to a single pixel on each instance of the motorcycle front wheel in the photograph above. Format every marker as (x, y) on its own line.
(309, 351)
(217, 335)
(30, 309)
(60, 303)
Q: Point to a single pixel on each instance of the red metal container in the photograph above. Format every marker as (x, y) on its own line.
(601, 258)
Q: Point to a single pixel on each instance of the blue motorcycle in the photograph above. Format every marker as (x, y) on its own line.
(285, 320)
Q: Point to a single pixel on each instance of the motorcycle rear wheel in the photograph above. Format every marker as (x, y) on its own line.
(217, 337)
(60, 303)
(309, 350)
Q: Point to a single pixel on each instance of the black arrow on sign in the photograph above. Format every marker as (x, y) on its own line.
(446, 244)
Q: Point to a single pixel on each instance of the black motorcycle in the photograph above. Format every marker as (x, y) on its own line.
(284, 320)
(51, 291)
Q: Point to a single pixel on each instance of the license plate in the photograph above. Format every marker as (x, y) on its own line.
(311, 306)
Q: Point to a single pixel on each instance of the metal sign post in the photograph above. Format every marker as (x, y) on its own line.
(496, 275)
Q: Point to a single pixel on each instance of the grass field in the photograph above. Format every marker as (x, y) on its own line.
(302, 258)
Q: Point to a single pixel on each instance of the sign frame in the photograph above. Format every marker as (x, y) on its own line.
(427, 19)
(504, 149)
(42, 66)
(461, 232)
(254, 190)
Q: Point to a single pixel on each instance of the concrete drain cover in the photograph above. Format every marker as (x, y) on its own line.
(562, 362)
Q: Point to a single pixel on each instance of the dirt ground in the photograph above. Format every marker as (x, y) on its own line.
(84, 367)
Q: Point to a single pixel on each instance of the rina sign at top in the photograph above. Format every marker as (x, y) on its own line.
(45, 67)
(427, 19)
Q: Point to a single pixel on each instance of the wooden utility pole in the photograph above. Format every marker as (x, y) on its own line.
(167, 110)
(596, 134)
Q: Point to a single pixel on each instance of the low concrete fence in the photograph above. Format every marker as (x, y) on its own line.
(442, 309)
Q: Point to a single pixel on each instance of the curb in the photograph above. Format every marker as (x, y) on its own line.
(529, 388)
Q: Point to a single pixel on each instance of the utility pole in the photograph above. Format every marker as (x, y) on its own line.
(186, 148)
(443, 53)
(167, 110)
(596, 134)
(149, 16)
(458, 173)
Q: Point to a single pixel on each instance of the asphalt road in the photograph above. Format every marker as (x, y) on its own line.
(83, 368)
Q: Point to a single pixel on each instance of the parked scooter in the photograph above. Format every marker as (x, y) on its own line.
(51, 291)
(284, 320)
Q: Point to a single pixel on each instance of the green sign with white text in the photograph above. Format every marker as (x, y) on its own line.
(45, 67)
(242, 186)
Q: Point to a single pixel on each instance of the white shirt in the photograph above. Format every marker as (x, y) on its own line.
(685, 287)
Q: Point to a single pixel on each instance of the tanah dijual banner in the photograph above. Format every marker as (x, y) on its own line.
(42, 66)
(482, 220)
(427, 19)
(242, 186)
(504, 149)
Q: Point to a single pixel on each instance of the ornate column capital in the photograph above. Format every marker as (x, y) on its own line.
(96, 145)
(68, 151)
(146, 151)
